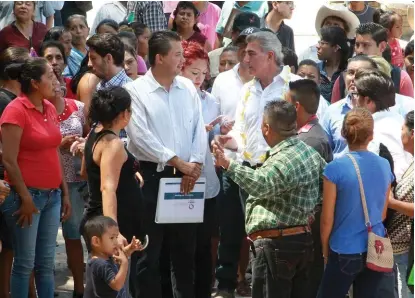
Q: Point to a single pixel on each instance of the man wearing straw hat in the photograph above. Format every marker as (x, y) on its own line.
(332, 15)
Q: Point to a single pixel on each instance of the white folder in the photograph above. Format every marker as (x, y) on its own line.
(176, 207)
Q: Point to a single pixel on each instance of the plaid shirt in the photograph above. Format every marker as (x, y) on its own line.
(285, 190)
(120, 79)
(149, 13)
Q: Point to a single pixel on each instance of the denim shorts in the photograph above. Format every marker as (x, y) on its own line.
(71, 226)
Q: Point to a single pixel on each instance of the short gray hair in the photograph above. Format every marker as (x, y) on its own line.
(269, 42)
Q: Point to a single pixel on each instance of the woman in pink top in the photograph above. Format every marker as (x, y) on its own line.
(209, 14)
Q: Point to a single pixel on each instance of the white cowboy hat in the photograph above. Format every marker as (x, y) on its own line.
(341, 12)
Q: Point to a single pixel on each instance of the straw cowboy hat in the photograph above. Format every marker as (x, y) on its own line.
(341, 12)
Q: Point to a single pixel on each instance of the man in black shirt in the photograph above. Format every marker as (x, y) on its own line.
(274, 20)
(305, 96)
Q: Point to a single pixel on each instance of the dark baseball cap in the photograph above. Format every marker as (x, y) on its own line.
(245, 33)
(245, 20)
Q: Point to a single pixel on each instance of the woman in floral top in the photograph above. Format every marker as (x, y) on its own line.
(72, 122)
(402, 220)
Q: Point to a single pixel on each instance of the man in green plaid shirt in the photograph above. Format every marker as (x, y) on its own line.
(283, 193)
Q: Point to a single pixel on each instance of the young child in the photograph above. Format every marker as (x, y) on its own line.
(103, 277)
(393, 23)
(409, 59)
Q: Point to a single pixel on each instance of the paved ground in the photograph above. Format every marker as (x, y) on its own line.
(63, 277)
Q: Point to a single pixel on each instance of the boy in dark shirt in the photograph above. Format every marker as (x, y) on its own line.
(103, 277)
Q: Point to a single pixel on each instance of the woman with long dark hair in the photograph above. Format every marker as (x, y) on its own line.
(334, 51)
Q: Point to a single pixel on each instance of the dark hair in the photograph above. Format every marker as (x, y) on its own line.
(108, 22)
(31, 69)
(376, 85)
(409, 120)
(185, 5)
(11, 56)
(307, 94)
(139, 28)
(230, 48)
(376, 31)
(357, 126)
(345, 25)
(107, 104)
(387, 54)
(159, 44)
(55, 33)
(83, 69)
(290, 58)
(364, 58)
(73, 17)
(409, 49)
(337, 36)
(96, 227)
(131, 50)
(52, 44)
(310, 62)
(282, 117)
(107, 43)
(129, 37)
(385, 18)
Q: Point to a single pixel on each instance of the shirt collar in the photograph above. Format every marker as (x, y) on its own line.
(154, 85)
(26, 102)
(284, 144)
(283, 77)
(114, 81)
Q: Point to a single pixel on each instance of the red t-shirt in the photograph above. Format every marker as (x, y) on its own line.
(69, 93)
(38, 158)
(10, 36)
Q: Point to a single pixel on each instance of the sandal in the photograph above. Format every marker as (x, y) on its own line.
(244, 289)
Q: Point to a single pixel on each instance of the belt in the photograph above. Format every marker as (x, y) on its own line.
(274, 233)
(168, 170)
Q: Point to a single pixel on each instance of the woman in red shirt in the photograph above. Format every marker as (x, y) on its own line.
(24, 32)
(31, 139)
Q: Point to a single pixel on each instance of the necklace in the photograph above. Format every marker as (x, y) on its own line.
(61, 116)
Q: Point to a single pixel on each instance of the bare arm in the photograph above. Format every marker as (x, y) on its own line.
(327, 215)
(11, 136)
(385, 208)
(405, 208)
(112, 159)
(49, 22)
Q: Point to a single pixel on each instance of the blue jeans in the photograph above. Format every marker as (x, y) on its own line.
(70, 228)
(344, 270)
(34, 246)
(401, 282)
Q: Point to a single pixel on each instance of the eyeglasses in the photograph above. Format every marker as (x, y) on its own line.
(290, 4)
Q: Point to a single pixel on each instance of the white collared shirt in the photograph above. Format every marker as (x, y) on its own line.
(247, 129)
(165, 123)
(227, 91)
(387, 130)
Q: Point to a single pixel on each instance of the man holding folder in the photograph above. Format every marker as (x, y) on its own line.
(167, 135)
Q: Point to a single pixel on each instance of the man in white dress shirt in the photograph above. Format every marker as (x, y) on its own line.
(167, 135)
(375, 92)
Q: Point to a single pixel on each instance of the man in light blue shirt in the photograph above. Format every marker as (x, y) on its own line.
(332, 121)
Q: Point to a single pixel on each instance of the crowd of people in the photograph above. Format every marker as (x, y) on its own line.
(306, 159)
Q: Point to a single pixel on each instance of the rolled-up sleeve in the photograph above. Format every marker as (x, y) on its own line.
(199, 142)
(140, 135)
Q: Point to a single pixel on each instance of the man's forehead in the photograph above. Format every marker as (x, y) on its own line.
(367, 38)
